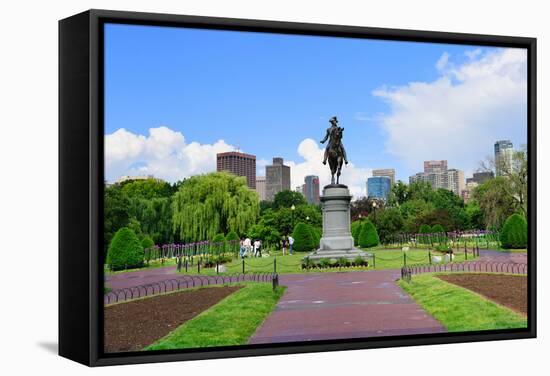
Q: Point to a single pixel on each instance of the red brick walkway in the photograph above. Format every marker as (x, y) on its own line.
(343, 305)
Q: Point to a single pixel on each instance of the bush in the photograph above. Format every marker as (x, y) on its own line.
(514, 232)
(424, 229)
(147, 242)
(233, 241)
(218, 244)
(368, 237)
(343, 262)
(303, 238)
(355, 230)
(125, 250)
(316, 234)
(324, 263)
(437, 229)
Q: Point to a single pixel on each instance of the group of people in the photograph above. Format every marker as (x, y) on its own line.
(248, 247)
(254, 248)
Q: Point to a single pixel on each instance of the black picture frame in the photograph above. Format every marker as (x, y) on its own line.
(81, 184)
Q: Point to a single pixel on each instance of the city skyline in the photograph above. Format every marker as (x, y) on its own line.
(274, 95)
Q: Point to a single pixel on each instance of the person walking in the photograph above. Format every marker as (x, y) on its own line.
(242, 250)
(257, 245)
(284, 245)
(290, 242)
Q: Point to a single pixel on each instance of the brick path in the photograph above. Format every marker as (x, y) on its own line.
(343, 305)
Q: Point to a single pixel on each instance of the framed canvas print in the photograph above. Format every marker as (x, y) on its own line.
(236, 187)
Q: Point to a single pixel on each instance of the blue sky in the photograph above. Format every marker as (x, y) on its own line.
(266, 93)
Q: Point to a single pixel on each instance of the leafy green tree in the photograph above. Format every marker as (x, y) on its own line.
(303, 238)
(218, 244)
(287, 198)
(267, 234)
(474, 215)
(495, 201)
(389, 222)
(400, 192)
(209, 204)
(115, 213)
(420, 190)
(412, 210)
(233, 241)
(514, 232)
(146, 189)
(368, 237)
(125, 250)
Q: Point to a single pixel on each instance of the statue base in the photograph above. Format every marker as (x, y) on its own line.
(337, 241)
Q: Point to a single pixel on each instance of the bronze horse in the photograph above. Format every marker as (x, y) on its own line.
(336, 154)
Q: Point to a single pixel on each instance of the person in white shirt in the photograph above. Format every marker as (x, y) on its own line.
(290, 242)
(247, 244)
(257, 245)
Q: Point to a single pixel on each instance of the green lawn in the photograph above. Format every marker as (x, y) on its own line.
(232, 321)
(459, 309)
(383, 258)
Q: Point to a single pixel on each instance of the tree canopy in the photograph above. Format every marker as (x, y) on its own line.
(209, 204)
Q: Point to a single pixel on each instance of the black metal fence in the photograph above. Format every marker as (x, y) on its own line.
(185, 282)
(470, 266)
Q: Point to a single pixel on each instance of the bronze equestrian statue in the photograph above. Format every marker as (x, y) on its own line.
(334, 152)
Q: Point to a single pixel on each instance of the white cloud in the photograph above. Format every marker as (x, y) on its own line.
(163, 153)
(354, 177)
(461, 114)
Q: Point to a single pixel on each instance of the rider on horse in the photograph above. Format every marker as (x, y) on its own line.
(334, 125)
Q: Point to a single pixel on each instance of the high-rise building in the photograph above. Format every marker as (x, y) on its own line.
(239, 164)
(311, 189)
(435, 166)
(389, 172)
(277, 177)
(439, 176)
(455, 181)
(481, 177)
(260, 187)
(378, 187)
(504, 152)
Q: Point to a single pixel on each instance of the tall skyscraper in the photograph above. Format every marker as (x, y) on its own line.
(260, 187)
(311, 189)
(239, 164)
(277, 177)
(455, 181)
(389, 172)
(504, 152)
(435, 166)
(378, 187)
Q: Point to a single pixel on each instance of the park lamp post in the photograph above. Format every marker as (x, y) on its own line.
(374, 205)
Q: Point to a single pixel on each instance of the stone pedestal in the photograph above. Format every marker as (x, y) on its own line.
(337, 240)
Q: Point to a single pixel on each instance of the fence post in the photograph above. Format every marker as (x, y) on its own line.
(217, 267)
(275, 265)
(243, 266)
(465, 254)
(186, 264)
(430, 257)
(404, 259)
(199, 265)
(374, 260)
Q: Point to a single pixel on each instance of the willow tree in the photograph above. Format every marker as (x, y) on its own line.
(206, 205)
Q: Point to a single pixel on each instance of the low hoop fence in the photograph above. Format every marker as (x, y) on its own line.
(470, 266)
(185, 282)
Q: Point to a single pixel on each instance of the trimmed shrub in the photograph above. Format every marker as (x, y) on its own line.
(355, 230)
(316, 234)
(514, 232)
(218, 243)
(303, 238)
(368, 237)
(147, 242)
(234, 238)
(424, 229)
(437, 228)
(125, 250)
